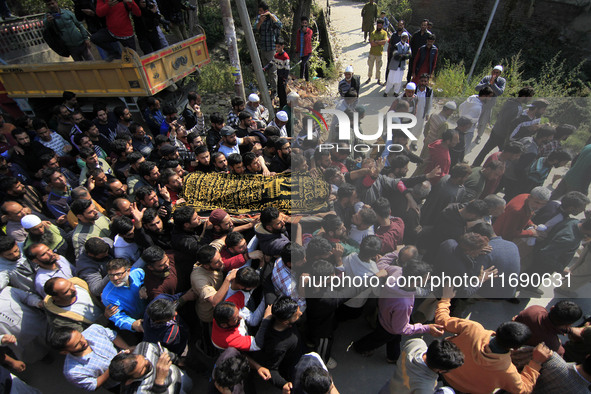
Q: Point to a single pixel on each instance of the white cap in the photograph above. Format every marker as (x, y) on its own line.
(404, 34)
(451, 105)
(293, 96)
(349, 69)
(499, 68)
(282, 116)
(30, 221)
(410, 86)
(254, 98)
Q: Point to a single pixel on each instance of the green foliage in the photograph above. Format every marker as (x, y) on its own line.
(216, 77)
(30, 7)
(211, 21)
(570, 98)
(399, 9)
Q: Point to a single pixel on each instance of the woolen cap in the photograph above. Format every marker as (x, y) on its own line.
(217, 216)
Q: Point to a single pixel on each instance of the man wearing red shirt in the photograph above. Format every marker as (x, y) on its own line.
(119, 27)
(235, 253)
(304, 46)
(516, 221)
(439, 154)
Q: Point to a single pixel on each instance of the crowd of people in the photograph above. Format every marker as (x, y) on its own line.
(103, 260)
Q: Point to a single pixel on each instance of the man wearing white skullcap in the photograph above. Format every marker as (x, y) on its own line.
(497, 84)
(350, 81)
(259, 113)
(44, 232)
(436, 126)
(280, 122)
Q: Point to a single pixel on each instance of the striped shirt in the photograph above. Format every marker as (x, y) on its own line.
(57, 143)
(83, 371)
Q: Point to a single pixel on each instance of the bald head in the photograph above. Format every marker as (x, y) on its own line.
(14, 211)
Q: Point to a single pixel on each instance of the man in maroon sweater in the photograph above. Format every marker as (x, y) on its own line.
(119, 27)
(547, 325)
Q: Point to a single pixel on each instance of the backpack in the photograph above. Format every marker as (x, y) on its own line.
(52, 36)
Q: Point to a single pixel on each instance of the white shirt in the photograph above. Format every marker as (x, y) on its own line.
(84, 306)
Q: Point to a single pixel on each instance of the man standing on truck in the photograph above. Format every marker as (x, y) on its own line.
(119, 27)
(64, 24)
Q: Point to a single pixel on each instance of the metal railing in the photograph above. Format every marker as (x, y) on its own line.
(22, 36)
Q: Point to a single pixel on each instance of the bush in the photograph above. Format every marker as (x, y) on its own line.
(216, 77)
(569, 97)
(30, 7)
(399, 9)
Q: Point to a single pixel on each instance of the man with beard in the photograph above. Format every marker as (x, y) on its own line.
(26, 152)
(157, 232)
(222, 225)
(50, 138)
(173, 183)
(377, 39)
(161, 275)
(146, 197)
(230, 143)
(12, 213)
(59, 199)
(45, 233)
(103, 122)
(70, 304)
(25, 195)
(81, 193)
(417, 40)
(283, 344)
(115, 189)
(235, 251)
(124, 243)
(334, 230)
(186, 239)
(220, 164)
(88, 355)
(90, 224)
(123, 291)
(282, 161)
(271, 232)
(124, 119)
(15, 270)
(149, 370)
(51, 265)
(203, 158)
(91, 265)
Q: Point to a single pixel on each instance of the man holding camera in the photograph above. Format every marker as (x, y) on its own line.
(64, 24)
(119, 27)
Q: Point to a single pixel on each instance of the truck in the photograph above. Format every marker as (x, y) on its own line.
(125, 80)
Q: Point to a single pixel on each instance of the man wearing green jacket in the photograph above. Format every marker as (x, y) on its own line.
(65, 25)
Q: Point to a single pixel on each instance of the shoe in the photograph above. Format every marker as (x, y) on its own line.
(385, 94)
(331, 363)
(379, 82)
(368, 81)
(414, 147)
(477, 141)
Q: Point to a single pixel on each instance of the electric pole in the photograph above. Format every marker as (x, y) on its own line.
(254, 56)
(231, 42)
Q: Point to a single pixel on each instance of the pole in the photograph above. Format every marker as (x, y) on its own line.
(231, 42)
(254, 56)
(490, 19)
